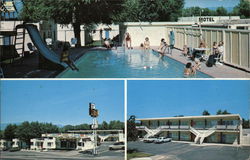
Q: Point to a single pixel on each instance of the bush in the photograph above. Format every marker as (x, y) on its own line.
(14, 149)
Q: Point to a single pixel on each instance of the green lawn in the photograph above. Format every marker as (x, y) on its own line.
(137, 155)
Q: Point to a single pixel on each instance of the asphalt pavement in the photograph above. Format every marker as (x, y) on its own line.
(189, 151)
(103, 153)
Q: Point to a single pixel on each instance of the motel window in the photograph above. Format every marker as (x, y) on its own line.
(153, 124)
(213, 138)
(49, 144)
(184, 123)
(211, 123)
(175, 135)
(185, 136)
(174, 123)
(163, 123)
(199, 124)
(230, 138)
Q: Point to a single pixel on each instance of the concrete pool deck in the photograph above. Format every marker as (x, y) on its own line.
(27, 67)
(218, 71)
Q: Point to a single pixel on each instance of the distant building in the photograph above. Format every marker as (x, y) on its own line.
(229, 22)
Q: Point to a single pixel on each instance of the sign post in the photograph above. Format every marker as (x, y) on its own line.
(93, 112)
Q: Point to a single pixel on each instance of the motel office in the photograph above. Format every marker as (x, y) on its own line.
(222, 128)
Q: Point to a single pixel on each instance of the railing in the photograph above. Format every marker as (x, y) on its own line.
(236, 42)
(186, 127)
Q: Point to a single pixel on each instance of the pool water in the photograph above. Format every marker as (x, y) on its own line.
(131, 64)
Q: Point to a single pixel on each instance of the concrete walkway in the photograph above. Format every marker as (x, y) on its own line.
(218, 71)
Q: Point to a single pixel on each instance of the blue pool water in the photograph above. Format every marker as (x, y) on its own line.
(131, 64)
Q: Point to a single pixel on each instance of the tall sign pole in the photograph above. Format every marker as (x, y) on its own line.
(93, 112)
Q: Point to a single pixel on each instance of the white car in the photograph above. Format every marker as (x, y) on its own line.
(117, 146)
(150, 139)
(163, 140)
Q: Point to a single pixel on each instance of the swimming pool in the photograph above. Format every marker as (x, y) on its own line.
(129, 64)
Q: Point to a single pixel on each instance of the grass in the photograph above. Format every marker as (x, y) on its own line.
(134, 153)
(137, 155)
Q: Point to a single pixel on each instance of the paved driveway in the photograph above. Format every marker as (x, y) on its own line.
(188, 151)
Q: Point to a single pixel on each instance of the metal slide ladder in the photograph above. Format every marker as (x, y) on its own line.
(19, 41)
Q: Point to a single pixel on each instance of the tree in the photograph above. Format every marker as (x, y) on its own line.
(132, 132)
(10, 132)
(77, 12)
(104, 125)
(1, 134)
(221, 11)
(242, 9)
(116, 125)
(245, 123)
(219, 112)
(225, 112)
(151, 10)
(205, 112)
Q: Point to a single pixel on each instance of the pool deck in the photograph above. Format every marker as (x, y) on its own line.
(27, 67)
(217, 71)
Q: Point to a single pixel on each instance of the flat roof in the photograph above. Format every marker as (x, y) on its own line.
(190, 117)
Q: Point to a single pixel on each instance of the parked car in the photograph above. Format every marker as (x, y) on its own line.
(150, 139)
(163, 140)
(117, 146)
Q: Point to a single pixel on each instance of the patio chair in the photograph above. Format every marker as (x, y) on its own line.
(217, 59)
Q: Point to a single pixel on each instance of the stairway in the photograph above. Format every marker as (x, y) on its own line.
(104, 137)
(151, 132)
(19, 41)
(201, 134)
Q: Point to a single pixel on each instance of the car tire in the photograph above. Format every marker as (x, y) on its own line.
(110, 149)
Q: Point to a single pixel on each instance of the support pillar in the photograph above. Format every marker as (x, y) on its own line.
(220, 137)
(205, 123)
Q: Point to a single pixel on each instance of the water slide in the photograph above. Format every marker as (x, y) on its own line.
(40, 44)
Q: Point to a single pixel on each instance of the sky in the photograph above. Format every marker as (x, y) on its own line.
(160, 98)
(211, 3)
(61, 102)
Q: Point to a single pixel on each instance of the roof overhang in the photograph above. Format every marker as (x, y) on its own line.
(192, 117)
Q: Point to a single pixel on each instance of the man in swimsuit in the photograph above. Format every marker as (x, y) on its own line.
(128, 40)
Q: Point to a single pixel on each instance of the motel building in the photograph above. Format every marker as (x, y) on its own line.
(226, 129)
(73, 141)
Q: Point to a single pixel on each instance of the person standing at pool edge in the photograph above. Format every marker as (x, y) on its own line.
(128, 40)
(146, 44)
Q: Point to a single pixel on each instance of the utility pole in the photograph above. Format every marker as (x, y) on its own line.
(93, 112)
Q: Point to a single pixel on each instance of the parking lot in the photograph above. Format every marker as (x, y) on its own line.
(103, 153)
(190, 151)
